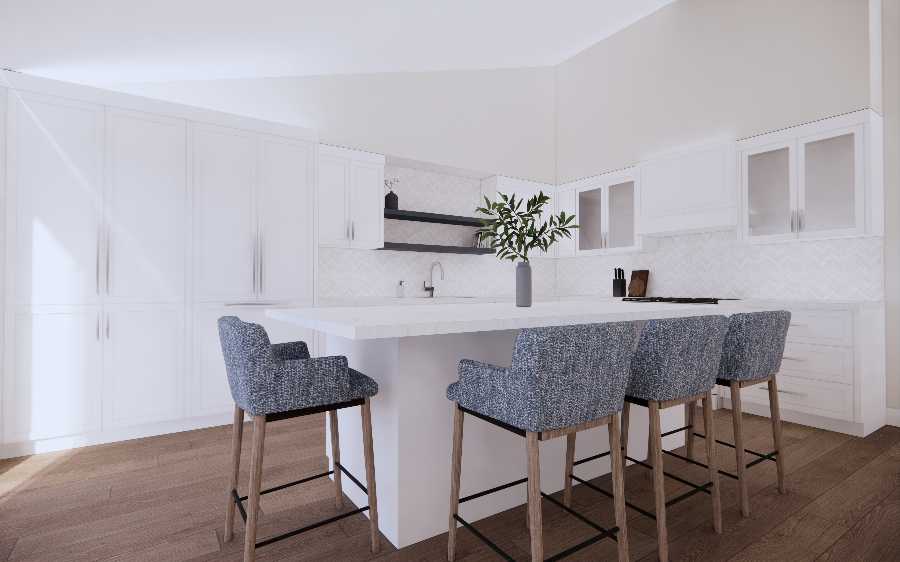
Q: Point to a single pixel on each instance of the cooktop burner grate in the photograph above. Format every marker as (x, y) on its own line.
(676, 300)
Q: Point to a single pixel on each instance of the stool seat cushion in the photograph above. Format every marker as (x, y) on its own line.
(677, 357)
(268, 379)
(559, 377)
(754, 345)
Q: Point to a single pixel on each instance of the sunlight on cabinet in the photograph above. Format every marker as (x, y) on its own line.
(770, 191)
(590, 214)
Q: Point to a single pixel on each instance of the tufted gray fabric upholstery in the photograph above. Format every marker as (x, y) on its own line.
(560, 376)
(754, 345)
(677, 357)
(266, 379)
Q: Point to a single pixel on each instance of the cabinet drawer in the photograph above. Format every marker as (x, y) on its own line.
(819, 362)
(828, 327)
(830, 400)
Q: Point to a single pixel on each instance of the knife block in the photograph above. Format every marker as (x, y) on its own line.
(618, 287)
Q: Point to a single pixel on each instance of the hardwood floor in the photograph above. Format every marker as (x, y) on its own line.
(161, 499)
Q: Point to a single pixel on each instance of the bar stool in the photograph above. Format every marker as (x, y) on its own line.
(562, 380)
(675, 363)
(754, 347)
(279, 382)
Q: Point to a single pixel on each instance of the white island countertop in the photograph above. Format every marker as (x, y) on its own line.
(407, 320)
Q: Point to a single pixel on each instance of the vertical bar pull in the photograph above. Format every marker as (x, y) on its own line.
(108, 252)
(98, 326)
(259, 242)
(97, 263)
(253, 267)
(107, 325)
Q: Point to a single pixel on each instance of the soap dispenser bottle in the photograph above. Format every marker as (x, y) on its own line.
(401, 289)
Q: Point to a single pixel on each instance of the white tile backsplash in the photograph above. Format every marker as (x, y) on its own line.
(705, 264)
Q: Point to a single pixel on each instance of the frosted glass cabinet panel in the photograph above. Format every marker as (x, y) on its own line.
(590, 219)
(770, 192)
(829, 184)
(621, 215)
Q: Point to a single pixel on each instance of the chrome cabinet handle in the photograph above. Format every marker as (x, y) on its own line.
(779, 391)
(97, 264)
(801, 221)
(98, 326)
(793, 216)
(108, 252)
(254, 268)
(262, 256)
(352, 230)
(786, 358)
(107, 325)
(347, 234)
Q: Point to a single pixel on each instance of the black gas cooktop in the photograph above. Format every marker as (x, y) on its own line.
(677, 300)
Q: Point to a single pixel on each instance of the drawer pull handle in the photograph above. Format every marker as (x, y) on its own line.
(788, 358)
(798, 324)
(779, 391)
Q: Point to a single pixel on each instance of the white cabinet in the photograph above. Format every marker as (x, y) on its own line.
(350, 198)
(210, 383)
(146, 199)
(565, 201)
(55, 199)
(813, 181)
(143, 364)
(689, 190)
(253, 209)
(225, 240)
(605, 211)
(52, 382)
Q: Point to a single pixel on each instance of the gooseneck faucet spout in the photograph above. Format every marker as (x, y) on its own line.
(429, 285)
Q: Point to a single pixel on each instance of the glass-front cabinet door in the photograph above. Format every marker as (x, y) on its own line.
(620, 213)
(589, 216)
(770, 187)
(830, 199)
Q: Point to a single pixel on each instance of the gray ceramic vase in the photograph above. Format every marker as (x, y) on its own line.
(523, 284)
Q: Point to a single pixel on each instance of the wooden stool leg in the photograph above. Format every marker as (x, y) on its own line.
(256, 464)
(534, 496)
(336, 459)
(618, 480)
(626, 411)
(369, 454)
(739, 446)
(570, 466)
(659, 484)
(455, 470)
(237, 434)
(775, 414)
(650, 458)
(710, 431)
(689, 411)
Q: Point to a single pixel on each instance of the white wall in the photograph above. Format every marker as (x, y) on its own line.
(698, 70)
(496, 121)
(891, 102)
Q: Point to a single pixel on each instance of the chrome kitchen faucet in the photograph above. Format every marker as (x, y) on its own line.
(429, 285)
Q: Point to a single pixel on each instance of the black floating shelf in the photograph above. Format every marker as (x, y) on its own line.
(419, 216)
(401, 247)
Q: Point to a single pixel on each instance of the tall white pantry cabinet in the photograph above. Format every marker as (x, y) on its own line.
(130, 226)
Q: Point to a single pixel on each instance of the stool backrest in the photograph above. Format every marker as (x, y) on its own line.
(754, 345)
(677, 357)
(575, 374)
(247, 350)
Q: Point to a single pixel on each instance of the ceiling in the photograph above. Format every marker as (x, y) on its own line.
(157, 40)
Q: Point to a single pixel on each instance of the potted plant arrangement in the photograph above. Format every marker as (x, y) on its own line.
(514, 232)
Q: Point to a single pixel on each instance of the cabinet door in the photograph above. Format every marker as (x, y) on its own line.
(52, 383)
(142, 364)
(225, 241)
(210, 392)
(565, 201)
(147, 202)
(831, 186)
(620, 212)
(55, 171)
(591, 207)
(333, 203)
(366, 205)
(770, 191)
(286, 220)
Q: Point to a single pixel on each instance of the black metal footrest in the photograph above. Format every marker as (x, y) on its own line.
(239, 501)
(603, 533)
(762, 456)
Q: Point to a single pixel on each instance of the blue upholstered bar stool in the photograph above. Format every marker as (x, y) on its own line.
(676, 362)
(754, 346)
(278, 382)
(562, 380)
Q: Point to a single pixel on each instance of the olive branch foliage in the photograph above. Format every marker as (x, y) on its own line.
(514, 232)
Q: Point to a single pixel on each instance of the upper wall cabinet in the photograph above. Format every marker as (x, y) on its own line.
(351, 198)
(818, 180)
(605, 209)
(689, 190)
(524, 189)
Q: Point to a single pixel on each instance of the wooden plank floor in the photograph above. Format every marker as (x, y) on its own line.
(161, 499)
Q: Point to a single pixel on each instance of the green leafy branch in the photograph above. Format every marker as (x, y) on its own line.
(515, 232)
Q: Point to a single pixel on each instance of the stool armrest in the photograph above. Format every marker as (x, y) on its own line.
(290, 350)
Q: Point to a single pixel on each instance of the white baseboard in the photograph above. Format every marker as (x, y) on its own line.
(893, 417)
(22, 448)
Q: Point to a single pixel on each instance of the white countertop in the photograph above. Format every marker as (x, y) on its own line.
(407, 320)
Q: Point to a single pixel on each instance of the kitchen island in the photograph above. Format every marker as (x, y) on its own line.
(412, 351)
